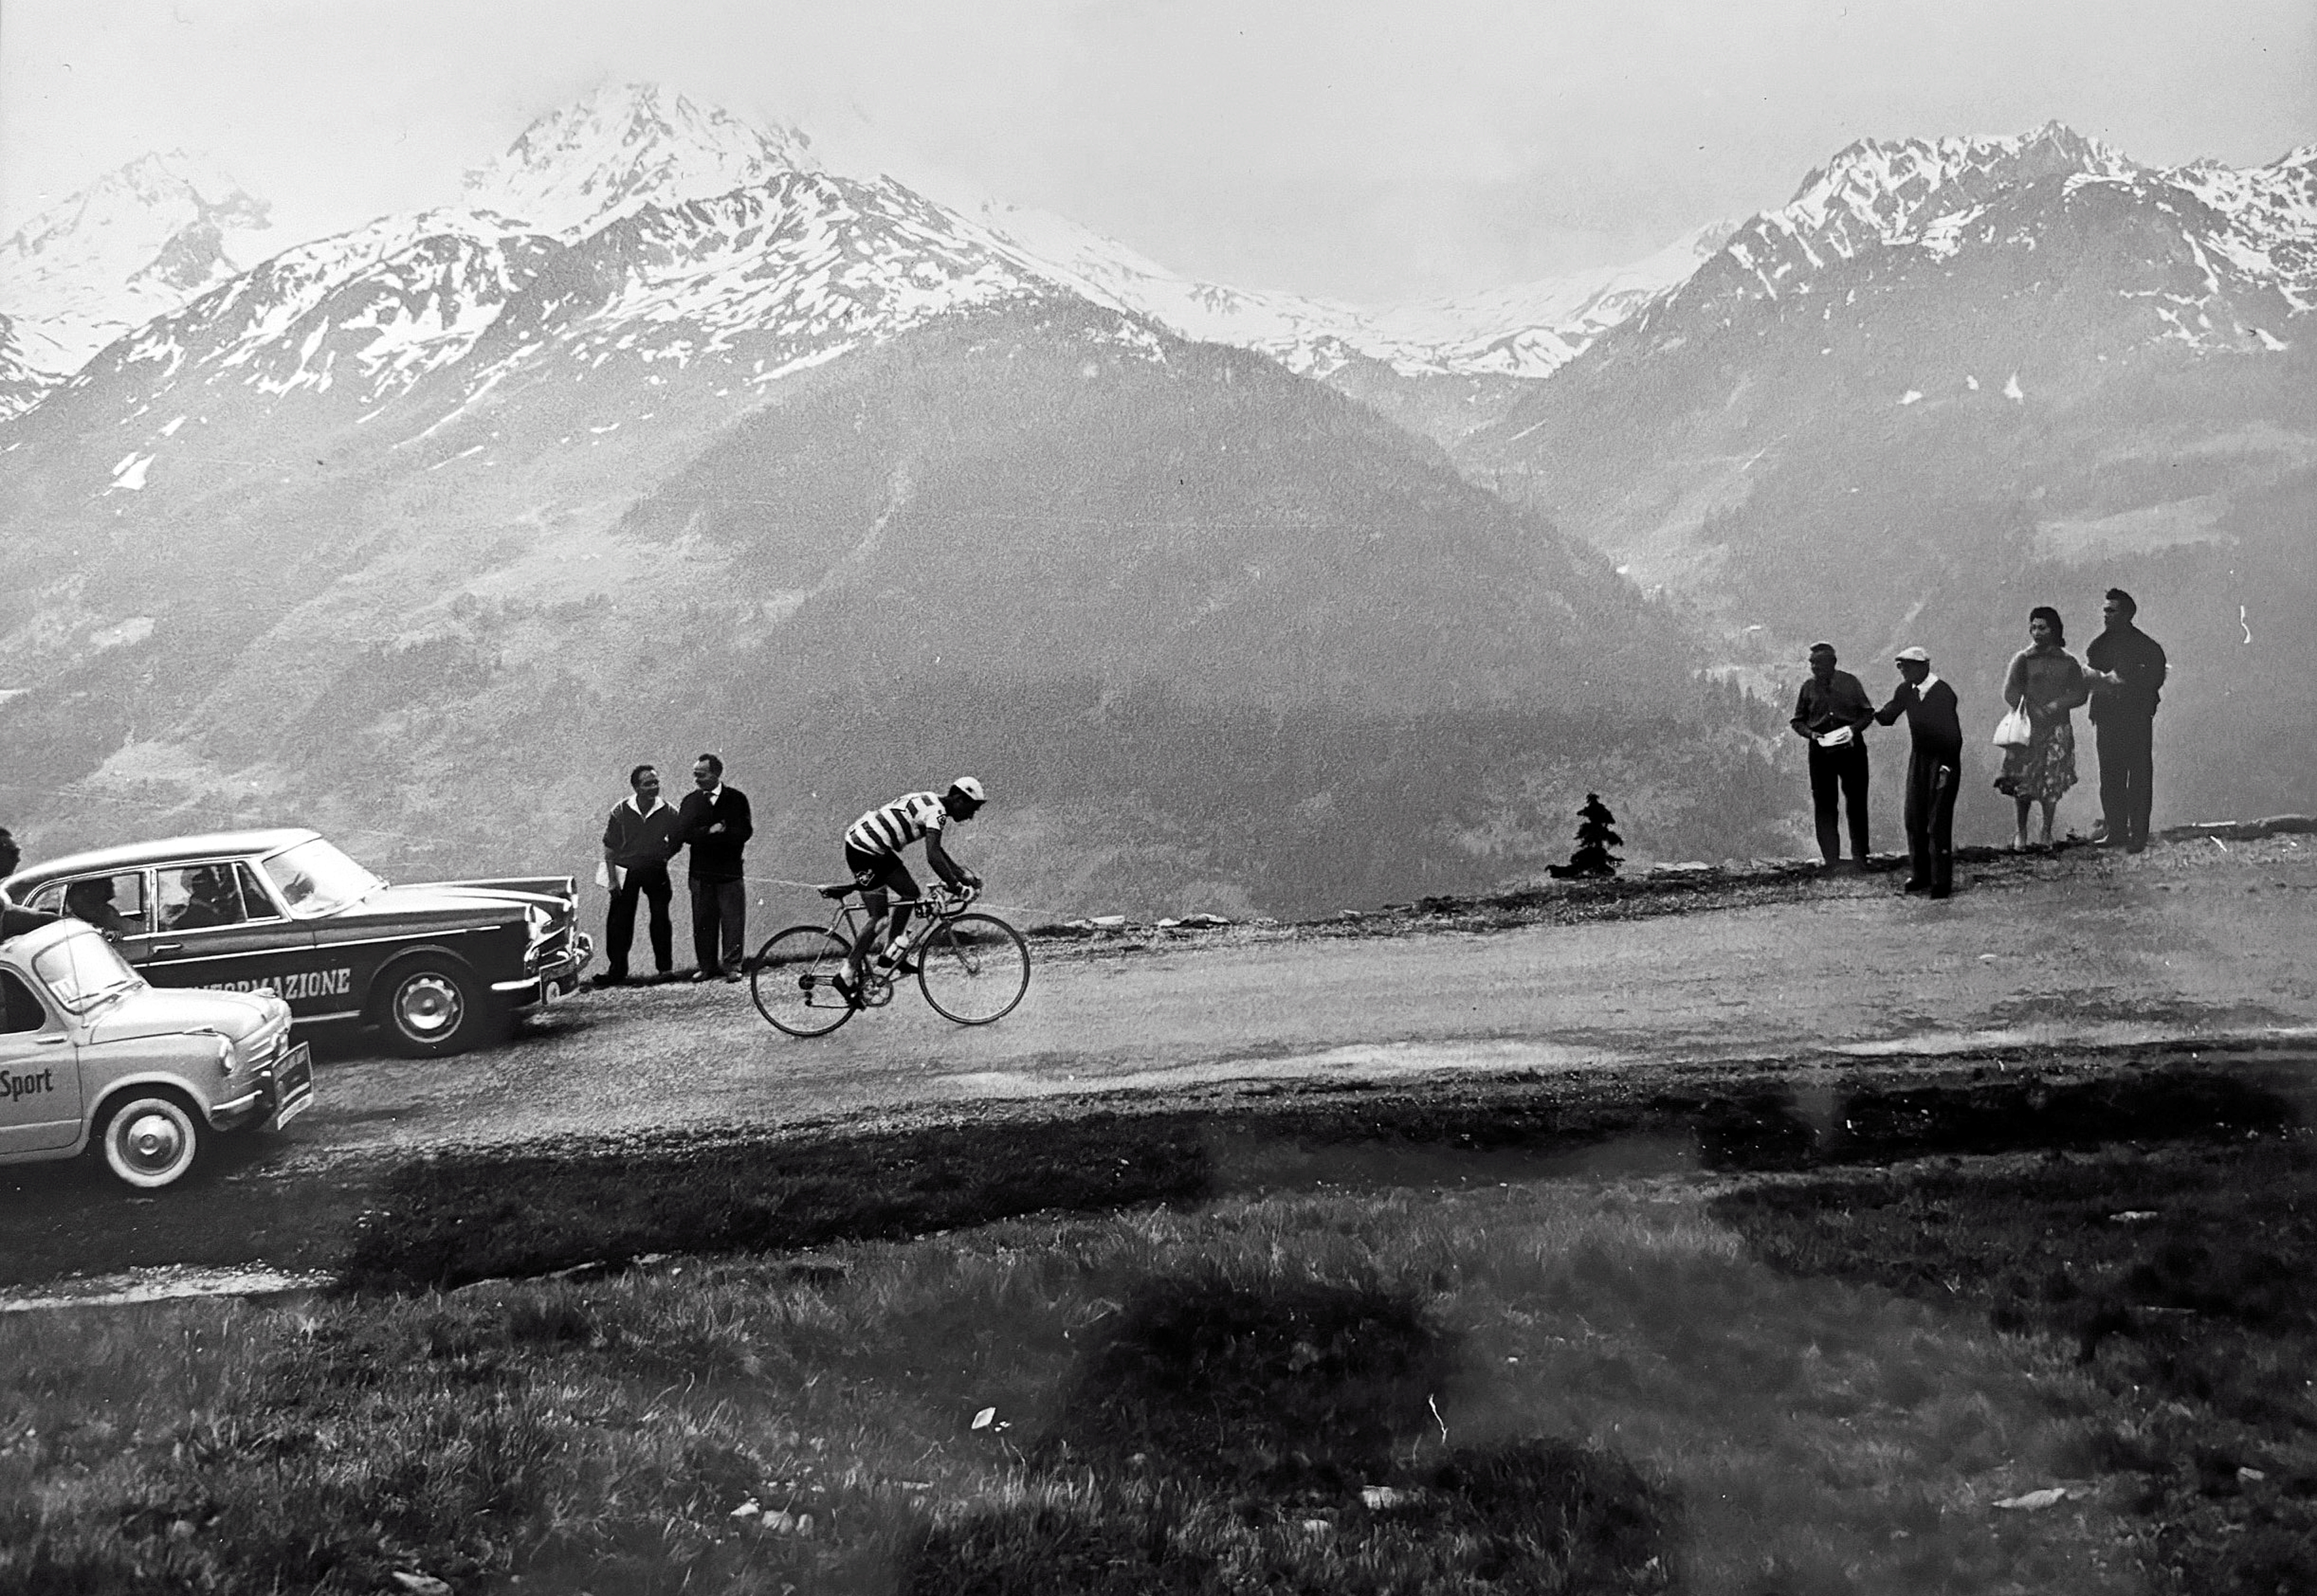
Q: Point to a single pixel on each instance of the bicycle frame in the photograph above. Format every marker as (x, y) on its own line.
(940, 903)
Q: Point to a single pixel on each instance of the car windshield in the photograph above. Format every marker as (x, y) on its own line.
(82, 971)
(315, 878)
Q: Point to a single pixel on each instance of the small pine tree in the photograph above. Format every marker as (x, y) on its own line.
(1596, 835)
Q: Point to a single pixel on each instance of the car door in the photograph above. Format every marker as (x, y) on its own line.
(215, 925)
(39, 1072)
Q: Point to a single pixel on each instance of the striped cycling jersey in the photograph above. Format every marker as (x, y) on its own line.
(898, 825)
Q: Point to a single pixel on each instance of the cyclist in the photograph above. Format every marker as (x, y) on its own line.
(872, 851)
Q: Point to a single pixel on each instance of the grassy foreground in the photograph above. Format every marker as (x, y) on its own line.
(1704, 1385)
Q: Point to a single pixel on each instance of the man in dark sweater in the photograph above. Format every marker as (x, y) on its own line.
(714, 823)
(2127, 667)
(1833, 713)
(15, 922)
(638, 838)
(1934, 770)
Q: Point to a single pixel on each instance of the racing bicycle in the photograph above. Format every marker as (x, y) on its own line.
(972, 967)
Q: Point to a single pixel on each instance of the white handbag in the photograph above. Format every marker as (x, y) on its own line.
(2013, 731)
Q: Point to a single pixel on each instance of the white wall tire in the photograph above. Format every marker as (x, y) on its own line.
(152, 1139)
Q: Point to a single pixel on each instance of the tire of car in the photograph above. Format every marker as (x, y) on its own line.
(433, 1006)
(150, 1137)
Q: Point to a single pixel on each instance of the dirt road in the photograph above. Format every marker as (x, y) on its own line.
(2086, 950)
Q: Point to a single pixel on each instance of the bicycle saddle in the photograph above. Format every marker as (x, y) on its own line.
(837, 890)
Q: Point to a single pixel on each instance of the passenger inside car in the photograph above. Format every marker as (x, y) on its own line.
(90, 901)
(213, 898)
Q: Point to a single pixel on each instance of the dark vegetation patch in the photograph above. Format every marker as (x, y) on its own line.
(2178, 1275)
(1223, 1436)
(468, 1215)
(1779, 1128)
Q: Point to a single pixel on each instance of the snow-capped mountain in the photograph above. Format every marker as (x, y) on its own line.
(1532, 329)
(623, 147)
(749, 285)
(138, 243)
(626, 151)
(2249, 238)
(1526, 331)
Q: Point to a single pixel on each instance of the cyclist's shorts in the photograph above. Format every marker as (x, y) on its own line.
(873, 872)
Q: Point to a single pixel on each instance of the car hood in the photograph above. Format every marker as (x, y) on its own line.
(448, 902)
(173, 1011)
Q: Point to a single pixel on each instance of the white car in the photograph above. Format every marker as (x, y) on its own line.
(92, 1056)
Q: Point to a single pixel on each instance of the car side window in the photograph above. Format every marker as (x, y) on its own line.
(20, 1010)
(197, 895)
(114, 904)
(253, 895)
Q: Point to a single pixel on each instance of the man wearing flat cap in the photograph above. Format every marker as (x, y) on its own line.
(1934, 770)
(1832, 713)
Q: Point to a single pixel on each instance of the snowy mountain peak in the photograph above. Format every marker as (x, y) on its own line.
(1887, 188)
(112, 227)
(135, 244)
(625, 147)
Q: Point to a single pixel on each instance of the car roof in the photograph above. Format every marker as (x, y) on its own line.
(130, 855)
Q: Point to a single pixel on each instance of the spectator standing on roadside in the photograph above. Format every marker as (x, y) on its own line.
(715, 825)
(638, 839)
(2046, 681)
(15, 922)
(2127, 668)
(1832, 713)
(1934, 769)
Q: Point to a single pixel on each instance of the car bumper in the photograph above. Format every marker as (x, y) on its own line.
(284, 1090)
(554, 980)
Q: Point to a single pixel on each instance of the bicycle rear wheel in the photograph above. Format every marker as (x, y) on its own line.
(974, 968)
(793, 980)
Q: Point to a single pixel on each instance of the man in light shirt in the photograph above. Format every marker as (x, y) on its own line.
(1934, 770)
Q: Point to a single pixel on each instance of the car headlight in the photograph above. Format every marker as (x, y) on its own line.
(539, 920)
(226, 1057)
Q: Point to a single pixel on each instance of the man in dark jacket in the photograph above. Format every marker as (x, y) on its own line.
(1833, 713)
(2128, 667)
(714, 823)
(15, 922)
(638, 838)
(1934, 770)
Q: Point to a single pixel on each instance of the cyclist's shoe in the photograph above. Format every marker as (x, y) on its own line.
(904, 966)
(848, 989)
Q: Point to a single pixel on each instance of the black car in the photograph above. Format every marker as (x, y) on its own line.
(440, 966)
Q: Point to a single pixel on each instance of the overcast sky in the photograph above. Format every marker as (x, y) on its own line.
(1370, 149)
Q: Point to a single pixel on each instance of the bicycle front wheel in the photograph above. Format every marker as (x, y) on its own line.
(794, 979)
(973, 969)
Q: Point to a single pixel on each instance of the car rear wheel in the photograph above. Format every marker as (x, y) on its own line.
(433, 1008)
(152, 1139)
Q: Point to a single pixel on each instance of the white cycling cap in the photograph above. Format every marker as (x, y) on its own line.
(970, 788)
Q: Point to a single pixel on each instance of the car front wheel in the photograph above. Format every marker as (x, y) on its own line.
(152, 1141)
(432, 1009)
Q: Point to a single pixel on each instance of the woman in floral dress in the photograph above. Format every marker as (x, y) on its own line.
(2050, 682)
